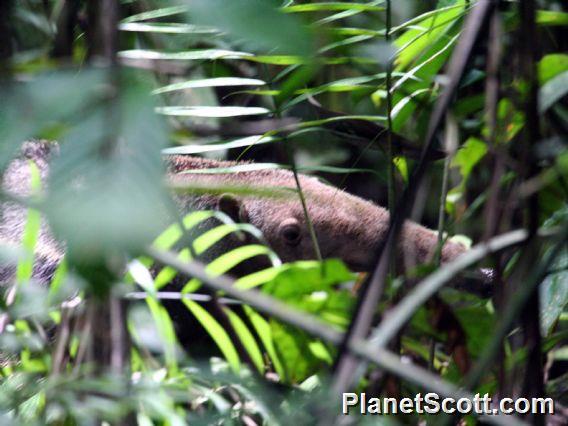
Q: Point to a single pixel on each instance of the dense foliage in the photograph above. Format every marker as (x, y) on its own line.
(374, 97)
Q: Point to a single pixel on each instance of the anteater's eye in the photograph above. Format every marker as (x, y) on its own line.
(291, 232)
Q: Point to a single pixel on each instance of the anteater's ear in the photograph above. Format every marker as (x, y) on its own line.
(232, 208)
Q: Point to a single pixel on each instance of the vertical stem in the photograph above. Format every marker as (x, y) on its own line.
(451, 144)
(5, 41)
(390, 159)
(533, 385)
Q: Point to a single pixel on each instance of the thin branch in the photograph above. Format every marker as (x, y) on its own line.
(402, 313)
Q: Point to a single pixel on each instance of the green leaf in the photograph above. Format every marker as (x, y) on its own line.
(554, 288)
(258, 278)
(166, 331)
(554, 293)
(255, 21)
(210, 82)
(293, 347)
(190, 55)
(156, 13)
(211, 111)
(25, 266)
(552, 91)
(313, 276)
(219, 146)
(168, 28)
(246, 338)
(119, 204)
(264, 332)
(551, 17)
(333, 6)
(217, 333)
(468, 155)
(551, 65)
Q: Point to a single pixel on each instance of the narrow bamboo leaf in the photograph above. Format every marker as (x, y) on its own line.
(217, 333)
(157, 13)
(397, 113)
(237, 143)
(551, 17)
(210, 82)
(353, 31)
(229, 260)
(211, 111)
(421, 65)
(205, 54)
(415, 40)
(333, 6)
(213, 236)
(257, 278)
(246, 338)
(25, 266)
(345, 14)
(167, 274)
(424, 16)
(264, 332)
(57, 280)
(166, 331)
(168, 28)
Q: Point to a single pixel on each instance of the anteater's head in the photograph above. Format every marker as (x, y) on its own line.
(347, 227)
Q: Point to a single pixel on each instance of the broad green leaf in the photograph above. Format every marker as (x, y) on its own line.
(468, 155)
(120, 202)
(554, 289)
(313, 276)
(552, 91)
(551, 65)
(217, 333)
(293, 348)
(554, 293)
(255, 22)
